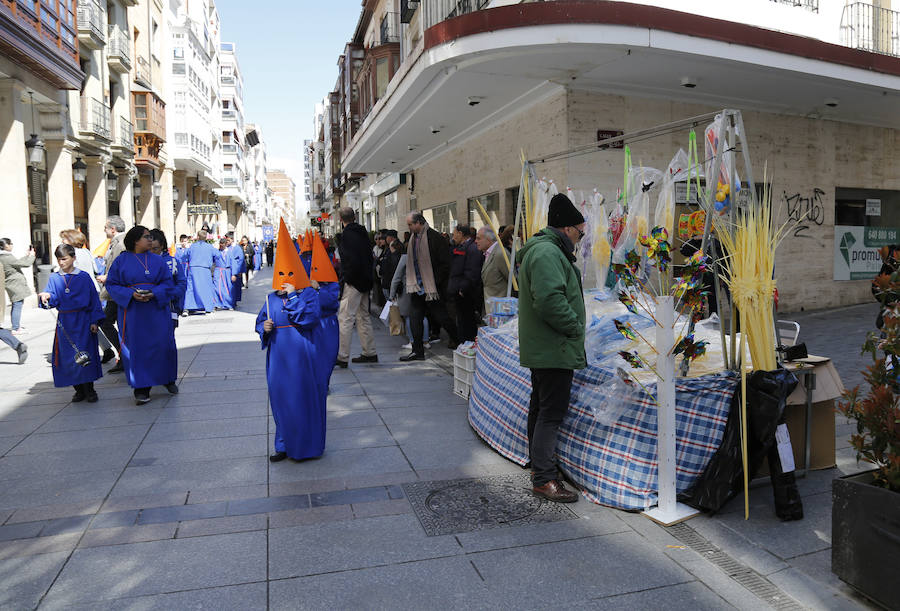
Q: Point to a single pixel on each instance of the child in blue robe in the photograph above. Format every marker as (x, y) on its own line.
(326, 336)
(142, 286)
(160, 246)
(72, 292)
(223, 285)
(200, 293)
(257, 257)
(238, 267)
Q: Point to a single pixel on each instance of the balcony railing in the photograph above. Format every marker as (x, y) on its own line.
(229, 114)
(90, 22)
(118, 48)
(389, 29)
(226, 79)
(811, 5)
(126, 133)
(436, 11)
(94, 118)
(871, 28)
(142, 71)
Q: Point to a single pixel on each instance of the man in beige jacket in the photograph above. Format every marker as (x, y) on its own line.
(495, 271)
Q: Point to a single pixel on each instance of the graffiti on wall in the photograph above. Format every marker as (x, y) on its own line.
(805, 211)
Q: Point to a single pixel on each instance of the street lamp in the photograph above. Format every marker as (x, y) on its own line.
(136, 188)
(79, 171)
(34, 145)
(157, 189)
(175, 194)
(112, 185)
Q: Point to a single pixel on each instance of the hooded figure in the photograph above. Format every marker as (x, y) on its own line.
(327, 335)
(286, 323)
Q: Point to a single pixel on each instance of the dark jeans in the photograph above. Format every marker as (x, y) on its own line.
(437, 311)
(550, 390)
(466, 317)
(109, 324)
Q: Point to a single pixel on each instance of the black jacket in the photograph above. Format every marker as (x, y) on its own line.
(388, 267)
(356, 258)
(465, 269)
(440, 258)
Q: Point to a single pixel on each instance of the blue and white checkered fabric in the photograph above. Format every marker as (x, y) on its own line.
(615, 465)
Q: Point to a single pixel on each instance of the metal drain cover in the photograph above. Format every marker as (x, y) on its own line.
(449, 507)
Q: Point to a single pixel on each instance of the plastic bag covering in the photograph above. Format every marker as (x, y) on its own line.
(613, 402)
(664, 215)
(642, 182)
(722, 176)
(543, 193)
(594, 249)
(767, 392)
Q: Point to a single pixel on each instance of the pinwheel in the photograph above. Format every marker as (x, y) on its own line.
(630, 332)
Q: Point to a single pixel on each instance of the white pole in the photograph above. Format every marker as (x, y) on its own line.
(668, 511)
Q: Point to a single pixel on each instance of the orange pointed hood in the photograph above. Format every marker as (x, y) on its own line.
(102, 247)
(306, 246)
(288, 267)
(321, 270)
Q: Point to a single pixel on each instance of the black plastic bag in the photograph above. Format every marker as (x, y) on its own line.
(767, 392)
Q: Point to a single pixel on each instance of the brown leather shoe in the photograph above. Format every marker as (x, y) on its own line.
(556, 492)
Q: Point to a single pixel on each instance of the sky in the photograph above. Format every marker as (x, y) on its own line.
(288, 52)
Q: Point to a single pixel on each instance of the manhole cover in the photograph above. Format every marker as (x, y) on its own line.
(463, 505)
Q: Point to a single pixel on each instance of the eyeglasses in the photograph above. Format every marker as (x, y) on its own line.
(580, 232)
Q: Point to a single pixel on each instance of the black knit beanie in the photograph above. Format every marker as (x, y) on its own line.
(563, 212)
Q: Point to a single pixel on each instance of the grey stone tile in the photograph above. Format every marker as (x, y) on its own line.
(121, 503)
(66, 488)
(14, 467)
(380, 479)
(316, 515)
(341, 463)
(128, 534)
(220, 526)
(168, 452)
(8, 443)
(128, 436)
(61, 526)
(228, 494)
(352, 419)
(417, 399)
(178, 513)
(693, 595)
(346, 497)
(572, 571)
(23, 530)
(184, 411)
(38, 545)
(157, 567)
(85, 422)
(25, 579)
(307, 486)
(115, 519)
(421, 428)
(345, 390)
(737, 545)
(444, 583)
(337, 403)
(190, 476)
(50, 512)
(227, 598)
(22, 427)
(206, 429)
(249, 398)
(268, 504)
(714, 578)
(352, 545)
(437, 453)
(236, 384)
(390, 507)
(811, 593)
(363, 437)
(532, 534)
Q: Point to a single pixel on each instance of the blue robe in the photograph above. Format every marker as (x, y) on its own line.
(180, 280)
(222, 280)
(326, 337)
(257, 258)
(77, 311)
(199, 294)
(238, 267)
(145, 328)
(297, 403)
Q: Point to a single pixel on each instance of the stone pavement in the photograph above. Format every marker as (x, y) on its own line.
(175, 505)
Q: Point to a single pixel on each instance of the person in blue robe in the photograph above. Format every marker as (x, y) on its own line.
(285, 324)
(223, 285)
(160, 246)
(71, 291)
(182, 256)
(200, 294)
(142, 286)
(238, 267)
(257, 257)
(326, 337)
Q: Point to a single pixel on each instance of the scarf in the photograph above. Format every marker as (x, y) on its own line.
(421, 256)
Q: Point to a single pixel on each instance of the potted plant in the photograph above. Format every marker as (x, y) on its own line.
(865, 519)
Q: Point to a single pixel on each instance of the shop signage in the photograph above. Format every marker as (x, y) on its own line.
(856, 255)
(203, 209)
(873, 207)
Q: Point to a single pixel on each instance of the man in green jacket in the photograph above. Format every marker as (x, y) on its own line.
(551, 336)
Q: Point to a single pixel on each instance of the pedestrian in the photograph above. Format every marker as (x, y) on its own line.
(114, 228)
(356, 277)
(257, 257)
(200, 293)
(79, 315)
(464, 284)
(247, 249)
(327, 336)
(141, 284)
(159, 245)
(401, 297)
(427, 273)
(270, 253)
(389, 261)
(223, 274)
(285, 325)
(551, 336)
(6, 335)
(495, 270)
(16, 284)
(84, 261)
(238, 266)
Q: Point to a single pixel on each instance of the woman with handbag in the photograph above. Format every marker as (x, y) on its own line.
(16, 284)
(74, 358)
(142, 286)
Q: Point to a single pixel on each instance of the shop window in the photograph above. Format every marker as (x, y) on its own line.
(441, 218)
(491, 205)
(381, 77)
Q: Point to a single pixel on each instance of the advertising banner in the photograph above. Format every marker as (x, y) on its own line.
(856, 254)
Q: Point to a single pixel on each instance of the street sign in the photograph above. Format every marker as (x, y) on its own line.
(203, 209)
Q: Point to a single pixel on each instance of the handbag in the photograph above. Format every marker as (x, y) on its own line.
(395, 320)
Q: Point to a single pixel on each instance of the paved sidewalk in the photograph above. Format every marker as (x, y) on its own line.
(175, 505)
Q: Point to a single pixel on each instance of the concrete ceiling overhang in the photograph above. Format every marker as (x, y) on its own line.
(426, 110)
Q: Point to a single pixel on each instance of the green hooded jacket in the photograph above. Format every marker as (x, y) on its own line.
(551, 304)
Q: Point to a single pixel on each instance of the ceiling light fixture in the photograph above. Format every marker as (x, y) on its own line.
(688, 82)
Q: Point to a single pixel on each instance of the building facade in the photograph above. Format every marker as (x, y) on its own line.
(284, 199)
(478, 84)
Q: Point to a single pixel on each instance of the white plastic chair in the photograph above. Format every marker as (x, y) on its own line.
(789, 331)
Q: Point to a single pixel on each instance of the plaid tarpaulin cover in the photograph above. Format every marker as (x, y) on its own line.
(615, 465)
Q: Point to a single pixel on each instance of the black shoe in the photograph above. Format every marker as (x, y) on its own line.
(412, 356)
(92, 396)
(341, 364)
(172, 387)
(22, 351)
(362, 358)
(108, 355)
(277, 456)
(79, 396)
(141, 397)
(117, 368)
